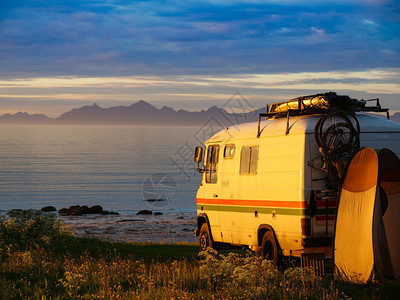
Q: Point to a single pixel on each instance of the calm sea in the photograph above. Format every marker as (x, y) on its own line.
(116, 167)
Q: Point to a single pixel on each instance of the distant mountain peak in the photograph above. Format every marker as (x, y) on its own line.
(88, 108)
(142, 104)
(213, 108)
(95, 106)
(167, 109)
(24, 117)
(20, 113)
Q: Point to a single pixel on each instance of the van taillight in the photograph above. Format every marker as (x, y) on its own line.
(305, 226)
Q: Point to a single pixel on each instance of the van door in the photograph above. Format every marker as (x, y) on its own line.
(211, 172)
(211, 189)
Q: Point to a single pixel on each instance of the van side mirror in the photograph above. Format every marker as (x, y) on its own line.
(198, 154)
(198, 158)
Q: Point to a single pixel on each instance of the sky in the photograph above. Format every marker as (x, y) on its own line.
(56, 55)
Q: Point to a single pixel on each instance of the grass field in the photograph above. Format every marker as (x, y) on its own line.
(39, 259)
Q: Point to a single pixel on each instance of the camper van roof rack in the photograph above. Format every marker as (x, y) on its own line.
(321, 104)
(318, 104)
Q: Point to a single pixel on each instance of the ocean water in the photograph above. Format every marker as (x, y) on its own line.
(115, 167)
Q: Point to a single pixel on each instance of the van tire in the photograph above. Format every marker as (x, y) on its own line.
(205, 237)
(269, 248)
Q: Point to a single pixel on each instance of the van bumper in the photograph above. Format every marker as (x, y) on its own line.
(313, 245)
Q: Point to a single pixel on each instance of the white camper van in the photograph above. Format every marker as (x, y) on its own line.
(272, 185)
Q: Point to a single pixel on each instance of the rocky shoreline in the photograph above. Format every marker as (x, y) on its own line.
(139, 226)
(77, 210)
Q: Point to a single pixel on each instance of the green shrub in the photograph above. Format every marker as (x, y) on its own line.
(234, 269)
(27, 229)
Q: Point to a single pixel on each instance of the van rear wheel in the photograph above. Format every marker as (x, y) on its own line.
(205, 237)
(270, 249)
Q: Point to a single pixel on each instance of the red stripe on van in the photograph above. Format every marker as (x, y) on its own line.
(262, 203)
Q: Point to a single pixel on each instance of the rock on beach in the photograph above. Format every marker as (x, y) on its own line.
(145, 212)
(48, 208)
(77, 210)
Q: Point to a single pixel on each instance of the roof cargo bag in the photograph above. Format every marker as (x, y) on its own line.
(318, 101)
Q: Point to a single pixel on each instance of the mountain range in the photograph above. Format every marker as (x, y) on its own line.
(139, 113)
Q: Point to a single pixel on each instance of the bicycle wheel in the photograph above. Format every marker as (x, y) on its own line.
(316, 132)
(336, 130)
(336, 163)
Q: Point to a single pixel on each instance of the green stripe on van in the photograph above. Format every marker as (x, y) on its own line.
(252, 209)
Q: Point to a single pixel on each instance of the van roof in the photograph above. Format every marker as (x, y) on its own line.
(297, 125)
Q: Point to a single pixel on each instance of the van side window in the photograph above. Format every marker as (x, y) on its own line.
(212, 164)
(229, 151)
(249, 160)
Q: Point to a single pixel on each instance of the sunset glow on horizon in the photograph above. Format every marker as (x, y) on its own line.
(193, 92)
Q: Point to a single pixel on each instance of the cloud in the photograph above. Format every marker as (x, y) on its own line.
(384, 76)
(369, 22)
(114, 38)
